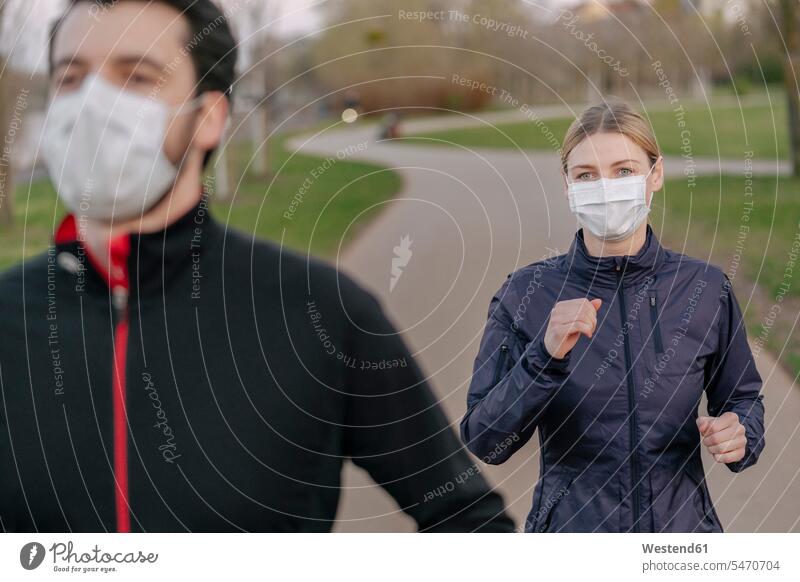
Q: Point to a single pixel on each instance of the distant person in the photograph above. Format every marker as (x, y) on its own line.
(352, 100)
(390, 126)
(607, 350)
(160, 371)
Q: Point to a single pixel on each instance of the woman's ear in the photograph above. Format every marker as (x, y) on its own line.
(657, 177)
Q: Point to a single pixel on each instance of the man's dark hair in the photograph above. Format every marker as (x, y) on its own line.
(211, 44)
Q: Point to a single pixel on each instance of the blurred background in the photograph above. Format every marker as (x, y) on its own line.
(422, 137)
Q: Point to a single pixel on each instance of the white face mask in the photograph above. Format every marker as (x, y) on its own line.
(610, 208)
(103, 148)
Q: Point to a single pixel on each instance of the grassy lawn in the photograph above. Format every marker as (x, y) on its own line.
(705, 222)
(258, 206)
(310, 200)
(721, 130)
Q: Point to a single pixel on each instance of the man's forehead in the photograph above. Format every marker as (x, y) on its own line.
(96, 32)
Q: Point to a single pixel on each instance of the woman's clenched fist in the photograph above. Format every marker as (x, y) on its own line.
(569, 319)
(724, 436)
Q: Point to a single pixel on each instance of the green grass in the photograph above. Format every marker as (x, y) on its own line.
(343, 197)
(721, 130)
(257, 207)
(36, 212)
(710, 221)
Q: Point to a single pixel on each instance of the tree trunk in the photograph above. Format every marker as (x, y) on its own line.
(6, 170)
(791, 32)
(6, 195)
(6, 162)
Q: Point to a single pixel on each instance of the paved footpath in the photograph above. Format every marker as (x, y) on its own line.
(474, 216)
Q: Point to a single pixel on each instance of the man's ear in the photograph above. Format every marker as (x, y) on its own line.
(212, 115)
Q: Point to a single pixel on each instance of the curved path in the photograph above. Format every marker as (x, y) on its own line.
(473, 217)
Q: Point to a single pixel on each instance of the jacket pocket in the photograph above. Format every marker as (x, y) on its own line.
(541, 520)
(655, 326)
(501, 362)
(680, 503)
(701, 489)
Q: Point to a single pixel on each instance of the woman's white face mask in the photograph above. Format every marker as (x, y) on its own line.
(104, 150)
(610, 208)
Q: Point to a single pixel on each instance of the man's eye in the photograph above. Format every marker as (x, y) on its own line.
(69, 80)
(140, 79)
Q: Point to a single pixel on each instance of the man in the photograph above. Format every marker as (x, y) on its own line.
(160, 372)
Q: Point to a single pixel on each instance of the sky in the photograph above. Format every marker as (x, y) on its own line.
(26, 35)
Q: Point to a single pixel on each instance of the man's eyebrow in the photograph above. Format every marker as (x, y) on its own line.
(121, 60)
(138, 60)
(67, 61)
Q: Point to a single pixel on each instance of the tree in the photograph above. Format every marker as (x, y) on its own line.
(261, 81)
(790, 18)
(13, 100)
(6, 170)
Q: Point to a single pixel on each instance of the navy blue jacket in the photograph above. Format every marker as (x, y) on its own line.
(620, 448)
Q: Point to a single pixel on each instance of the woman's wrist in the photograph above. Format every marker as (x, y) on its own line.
(547, 361)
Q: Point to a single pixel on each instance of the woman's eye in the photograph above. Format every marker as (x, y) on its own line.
(585, 176)
(625, 171)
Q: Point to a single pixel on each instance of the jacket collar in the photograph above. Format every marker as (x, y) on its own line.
(603, 270)
(146, 262)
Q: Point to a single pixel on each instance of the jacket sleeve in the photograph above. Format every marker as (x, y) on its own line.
(733, 383)
(397, 431)
(513, 380)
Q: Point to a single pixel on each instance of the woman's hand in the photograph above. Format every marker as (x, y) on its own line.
(724, 436)
(569, 319)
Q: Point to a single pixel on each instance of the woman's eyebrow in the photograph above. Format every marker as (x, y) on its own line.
(625, 162)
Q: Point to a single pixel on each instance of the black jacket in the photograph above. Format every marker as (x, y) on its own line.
(616, 415)
(246, 375)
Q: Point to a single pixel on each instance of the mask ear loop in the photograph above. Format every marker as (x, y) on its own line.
(187, 106)
(650, 205)
(220, 165)
(651, 167)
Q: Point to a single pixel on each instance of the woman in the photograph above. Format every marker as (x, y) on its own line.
(607, 349)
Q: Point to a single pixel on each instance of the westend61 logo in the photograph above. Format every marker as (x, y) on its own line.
(66, 559)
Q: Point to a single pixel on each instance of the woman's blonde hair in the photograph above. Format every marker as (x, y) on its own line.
(612, 115)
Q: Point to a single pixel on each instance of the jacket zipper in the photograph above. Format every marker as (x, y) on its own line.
(631, 407)
(655, 325)
(498, 370)
(120, 303)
